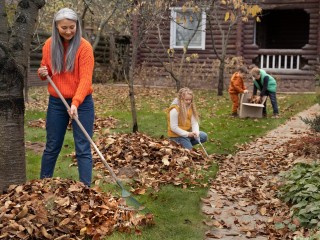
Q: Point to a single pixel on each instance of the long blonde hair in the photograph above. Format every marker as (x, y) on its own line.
(183, 108)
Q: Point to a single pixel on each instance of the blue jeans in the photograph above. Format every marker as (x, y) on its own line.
(187, 142)
(56, 126)
(273, 99)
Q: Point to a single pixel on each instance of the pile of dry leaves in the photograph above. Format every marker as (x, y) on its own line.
(306, 146)
(255, 99)
(150, 162)
(64, 209)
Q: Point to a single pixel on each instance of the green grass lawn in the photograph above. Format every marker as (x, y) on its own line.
(177, 211)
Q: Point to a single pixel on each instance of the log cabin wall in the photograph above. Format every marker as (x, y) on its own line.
(199, 73)
(291, 54)
(35, 58)
(292, 64)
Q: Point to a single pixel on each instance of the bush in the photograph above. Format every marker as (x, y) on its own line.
(314, 123)
(301, 189)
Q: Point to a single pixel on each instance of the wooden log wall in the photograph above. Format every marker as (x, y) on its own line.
(208, 77)
(240, 44)
(290, 81)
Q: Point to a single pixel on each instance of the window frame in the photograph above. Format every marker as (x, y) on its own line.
(173, 30)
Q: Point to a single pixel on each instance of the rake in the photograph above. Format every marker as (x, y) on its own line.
(124, 193)
(198, 139)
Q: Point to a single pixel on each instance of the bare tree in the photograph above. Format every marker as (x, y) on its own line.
(175, 64)
(141, 17)
(225, 16)
(14, 53)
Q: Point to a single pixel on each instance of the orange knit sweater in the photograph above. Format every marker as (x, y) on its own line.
(77, 84)
(236, 84)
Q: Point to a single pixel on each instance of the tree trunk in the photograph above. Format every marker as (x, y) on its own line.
(134, 56)
(221, 78)
(4, 35)
(131, 90)
(13, 72)
(12, 154)
(178, 85)
(12, 151)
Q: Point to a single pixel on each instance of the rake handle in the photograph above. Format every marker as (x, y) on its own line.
(204, 150)
(84, 131)
(198, 139)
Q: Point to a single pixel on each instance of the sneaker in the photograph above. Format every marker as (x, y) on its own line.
(275, 116)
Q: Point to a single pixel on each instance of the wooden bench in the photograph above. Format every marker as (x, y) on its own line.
(251, 110)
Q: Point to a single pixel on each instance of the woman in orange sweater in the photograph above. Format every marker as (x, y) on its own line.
(68, 59)
(236, 87)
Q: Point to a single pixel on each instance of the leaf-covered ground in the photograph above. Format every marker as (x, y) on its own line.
(242, 202)
(113, 97)
(64, 209)
(146, 161)
(138, 160)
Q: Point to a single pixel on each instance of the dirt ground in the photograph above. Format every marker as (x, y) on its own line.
(233, 214)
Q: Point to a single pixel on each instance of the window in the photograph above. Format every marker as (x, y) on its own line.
(283, 29)
(183, 27)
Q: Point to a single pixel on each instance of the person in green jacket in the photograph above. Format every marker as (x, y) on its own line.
(267, 86)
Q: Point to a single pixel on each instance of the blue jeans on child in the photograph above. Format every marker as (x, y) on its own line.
(273, 99)
(188, 143)
(56, 125)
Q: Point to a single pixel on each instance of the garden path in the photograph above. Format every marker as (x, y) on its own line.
(232, 215)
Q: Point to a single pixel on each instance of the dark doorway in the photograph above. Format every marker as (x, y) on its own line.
(283, 29)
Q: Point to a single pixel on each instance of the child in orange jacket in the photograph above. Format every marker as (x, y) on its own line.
(236, 87)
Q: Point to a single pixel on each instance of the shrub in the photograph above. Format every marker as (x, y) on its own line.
(301, 189)
(314, 123)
